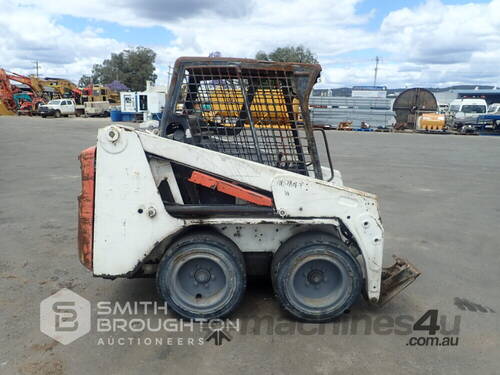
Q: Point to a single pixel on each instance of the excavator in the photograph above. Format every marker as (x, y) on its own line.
(7, 103)
(41, 90)
(23, 106)
(64, 88)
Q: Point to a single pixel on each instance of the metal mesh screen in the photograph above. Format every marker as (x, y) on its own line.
(249, 113)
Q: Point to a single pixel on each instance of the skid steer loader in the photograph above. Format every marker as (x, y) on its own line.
(233, 186)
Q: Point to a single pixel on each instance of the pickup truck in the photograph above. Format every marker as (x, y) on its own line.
(60, 107)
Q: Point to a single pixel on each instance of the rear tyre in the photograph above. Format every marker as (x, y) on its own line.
(202, 276)
(315, 277)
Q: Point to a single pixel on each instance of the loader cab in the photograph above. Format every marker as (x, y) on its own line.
(245, 108)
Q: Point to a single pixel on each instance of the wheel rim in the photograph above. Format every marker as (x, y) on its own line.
(318, 283)
(200, 281)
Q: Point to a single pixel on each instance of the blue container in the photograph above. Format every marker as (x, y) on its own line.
(116, 115)
(128, 116)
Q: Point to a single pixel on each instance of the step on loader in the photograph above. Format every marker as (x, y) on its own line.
(233, 186)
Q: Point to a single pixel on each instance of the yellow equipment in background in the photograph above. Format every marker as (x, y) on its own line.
(431, 121)
(345, 125)
(267, 107)
(63, 88)
(98, 93)
(4, 111)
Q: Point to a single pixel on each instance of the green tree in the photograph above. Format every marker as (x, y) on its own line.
(298, 54)
(133, 67)
(85, 80)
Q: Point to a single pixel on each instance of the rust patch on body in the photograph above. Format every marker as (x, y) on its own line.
(86, 207)
(230, 189)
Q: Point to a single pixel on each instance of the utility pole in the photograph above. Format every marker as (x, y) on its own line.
(169, 74)
(36, 67)
(377, 60)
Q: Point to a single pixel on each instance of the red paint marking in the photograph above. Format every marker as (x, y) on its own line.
(230, 189)
(86, 207)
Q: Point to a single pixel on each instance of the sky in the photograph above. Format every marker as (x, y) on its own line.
(430, 43)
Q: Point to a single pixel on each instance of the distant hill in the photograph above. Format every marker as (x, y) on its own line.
(346, 91)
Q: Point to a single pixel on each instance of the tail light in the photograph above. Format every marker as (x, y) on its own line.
(86, 207)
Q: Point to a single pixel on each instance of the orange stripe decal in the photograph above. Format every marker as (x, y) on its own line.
(230, 189)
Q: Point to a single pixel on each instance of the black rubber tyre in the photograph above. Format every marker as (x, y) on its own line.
(57, 114)
(315, 277)
(202, 276)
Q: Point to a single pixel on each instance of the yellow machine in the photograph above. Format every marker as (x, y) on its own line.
(431, 121)
(63, 87)
(345, 125)
(267, 107)
(4, 111)
(100, 94)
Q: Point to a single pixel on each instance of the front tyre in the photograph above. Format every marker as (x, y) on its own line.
(315, 277)
(202, 276)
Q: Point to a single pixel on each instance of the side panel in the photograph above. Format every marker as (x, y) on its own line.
(296, 196)
(130, 218)
(269, 237)
(237, 169)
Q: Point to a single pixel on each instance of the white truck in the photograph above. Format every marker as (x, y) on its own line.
(60, 107)
(233, 186)
(462, 111)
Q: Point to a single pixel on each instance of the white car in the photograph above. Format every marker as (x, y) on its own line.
(494, 108)
(464, 110)
(58, 108)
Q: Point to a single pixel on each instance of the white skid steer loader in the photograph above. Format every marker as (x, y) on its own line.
(233, 186)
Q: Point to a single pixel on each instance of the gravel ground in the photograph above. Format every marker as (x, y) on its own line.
(440, 206)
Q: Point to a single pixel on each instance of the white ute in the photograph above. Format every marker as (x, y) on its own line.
(461, 111)
(59, 107)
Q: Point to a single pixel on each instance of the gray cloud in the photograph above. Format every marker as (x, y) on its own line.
(443, 58)
(171, 10)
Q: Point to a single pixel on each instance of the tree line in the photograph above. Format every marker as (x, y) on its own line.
(133, 67)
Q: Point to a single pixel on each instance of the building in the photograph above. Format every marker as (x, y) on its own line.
(368, 104)
(490, 95)
(369, 92)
